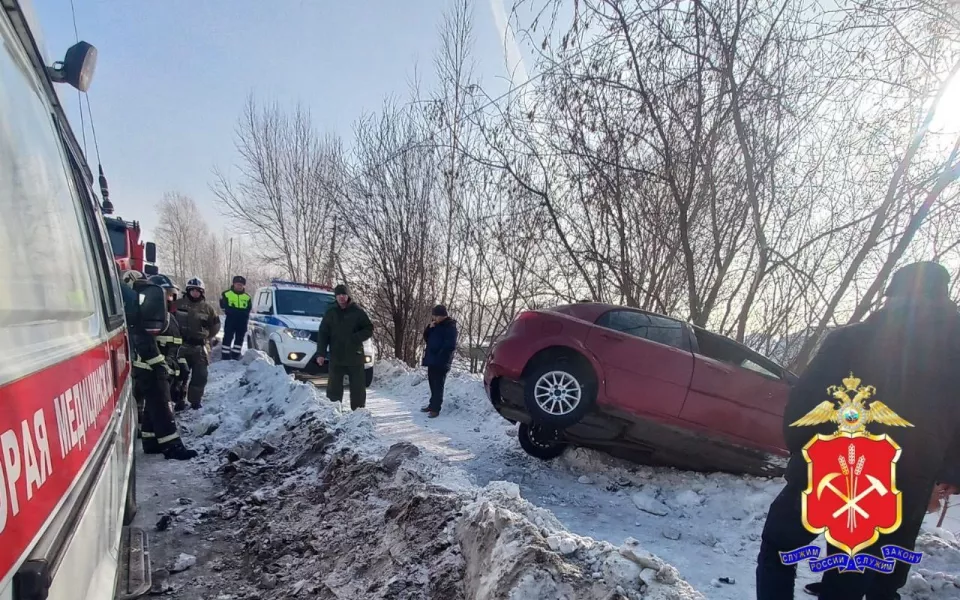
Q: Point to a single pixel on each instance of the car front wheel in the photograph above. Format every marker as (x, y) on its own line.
(541, 441)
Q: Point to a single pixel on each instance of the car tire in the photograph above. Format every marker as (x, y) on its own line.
(574, 384)
(541, 441)
(368, 377)
(275, 355)
(130, 505)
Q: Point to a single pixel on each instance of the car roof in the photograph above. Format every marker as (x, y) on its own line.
(591, 311)
(298, 288)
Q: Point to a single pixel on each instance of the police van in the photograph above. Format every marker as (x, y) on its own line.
(67, 416)
(284, 321)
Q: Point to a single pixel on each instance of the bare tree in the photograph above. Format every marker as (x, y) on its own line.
(285, 194)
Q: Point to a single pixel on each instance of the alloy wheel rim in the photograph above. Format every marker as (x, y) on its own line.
(557, 393)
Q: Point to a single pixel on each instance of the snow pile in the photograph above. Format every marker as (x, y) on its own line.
(323, 507)
(707, 525)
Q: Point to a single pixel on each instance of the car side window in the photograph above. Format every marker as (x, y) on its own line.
(752, 366)
(267, 303)
(649, 327)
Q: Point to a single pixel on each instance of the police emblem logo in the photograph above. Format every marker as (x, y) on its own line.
(851, 495)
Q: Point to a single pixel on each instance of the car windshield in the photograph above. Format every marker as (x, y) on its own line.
(118, 239)
(296, 302)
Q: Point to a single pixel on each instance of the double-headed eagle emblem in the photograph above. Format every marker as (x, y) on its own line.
(851, 412)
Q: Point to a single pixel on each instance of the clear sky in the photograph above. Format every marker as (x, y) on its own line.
(172, 76)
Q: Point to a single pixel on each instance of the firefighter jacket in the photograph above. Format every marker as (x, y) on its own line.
(169, 342)
(143, 346)
(198, 320)
(236, 308)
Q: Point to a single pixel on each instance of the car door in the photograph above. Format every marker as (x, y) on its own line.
(258, 333)
(742, 398)
(646, 361)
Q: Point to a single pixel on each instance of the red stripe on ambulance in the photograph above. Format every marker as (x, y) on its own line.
(50, 422)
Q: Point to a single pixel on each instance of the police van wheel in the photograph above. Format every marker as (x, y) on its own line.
(275, 355)
(130, 505)
(368, 377)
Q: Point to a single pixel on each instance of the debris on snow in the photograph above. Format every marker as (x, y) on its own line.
(648, 503)
(183, 562)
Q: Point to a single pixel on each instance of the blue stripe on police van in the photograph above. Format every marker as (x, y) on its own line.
(268, 320)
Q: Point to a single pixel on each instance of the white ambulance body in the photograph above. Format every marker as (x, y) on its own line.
(67, 417)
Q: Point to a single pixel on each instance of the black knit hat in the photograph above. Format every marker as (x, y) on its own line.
(240, 279)
(439, 310)
(924, 279)
(341, 290)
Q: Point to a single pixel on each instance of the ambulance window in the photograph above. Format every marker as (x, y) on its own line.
(100, 248)
(47, 294)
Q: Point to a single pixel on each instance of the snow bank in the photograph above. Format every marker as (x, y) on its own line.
(324, 505)
(707, 525)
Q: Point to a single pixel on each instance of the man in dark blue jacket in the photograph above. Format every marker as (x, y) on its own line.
(441, 339)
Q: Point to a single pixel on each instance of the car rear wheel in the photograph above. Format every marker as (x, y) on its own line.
(541, 441)
(560, 392)
(368, 377)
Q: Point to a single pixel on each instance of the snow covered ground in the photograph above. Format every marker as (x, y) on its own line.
(305, 499)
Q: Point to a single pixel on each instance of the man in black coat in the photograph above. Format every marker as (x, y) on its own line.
(441, 339)
(910, 352)
(344, 329)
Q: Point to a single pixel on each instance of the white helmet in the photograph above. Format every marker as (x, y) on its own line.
(130, 277)
(194, 283)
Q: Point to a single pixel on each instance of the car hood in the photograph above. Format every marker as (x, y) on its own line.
(301, 322)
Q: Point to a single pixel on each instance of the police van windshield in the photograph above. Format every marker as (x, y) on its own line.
(296, 302)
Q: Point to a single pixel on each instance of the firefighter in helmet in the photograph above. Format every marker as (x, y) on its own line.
(199, 325)
(151, 373)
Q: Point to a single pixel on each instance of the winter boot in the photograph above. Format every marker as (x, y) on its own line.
(150, 445)
(175, 450)
(196, 406)
(425, 409)
(433, 414)
(179, 406)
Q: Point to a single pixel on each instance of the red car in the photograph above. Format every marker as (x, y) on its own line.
(639, 385)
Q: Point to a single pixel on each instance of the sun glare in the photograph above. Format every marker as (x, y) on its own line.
(947, 116)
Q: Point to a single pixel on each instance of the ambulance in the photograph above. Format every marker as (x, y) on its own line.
(67, 417)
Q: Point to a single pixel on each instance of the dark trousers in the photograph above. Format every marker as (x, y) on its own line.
(784, 531)
(197, 362)
(178, 387)
(233, 334)
(157, 425)
(358, 385)
(437, 376)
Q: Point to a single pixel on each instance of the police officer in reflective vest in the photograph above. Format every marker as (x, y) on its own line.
(151, 371)
(235, 303)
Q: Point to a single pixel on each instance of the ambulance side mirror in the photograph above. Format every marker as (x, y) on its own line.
(77, 66)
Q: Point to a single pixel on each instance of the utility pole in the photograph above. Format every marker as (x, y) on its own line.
(230, 263)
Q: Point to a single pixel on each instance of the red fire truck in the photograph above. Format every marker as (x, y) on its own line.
(128, 250)
(67, 416)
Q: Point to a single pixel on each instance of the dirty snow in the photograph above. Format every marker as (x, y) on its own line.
(292, 498)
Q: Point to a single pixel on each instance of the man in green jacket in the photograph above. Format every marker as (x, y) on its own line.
(344, 329)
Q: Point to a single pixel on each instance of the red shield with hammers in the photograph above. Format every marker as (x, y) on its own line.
(851, 494)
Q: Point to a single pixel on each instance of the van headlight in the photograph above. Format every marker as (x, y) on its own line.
(298, 334)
